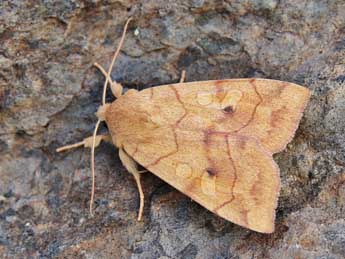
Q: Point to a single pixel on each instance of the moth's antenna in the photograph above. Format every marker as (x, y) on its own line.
(114, 58)
(93, 165)
(114, 87)
(108, 78)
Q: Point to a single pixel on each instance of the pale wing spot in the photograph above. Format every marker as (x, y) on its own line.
(231, 99)
(204, 98)
(156, 118)
(184, 170)
(208, 184)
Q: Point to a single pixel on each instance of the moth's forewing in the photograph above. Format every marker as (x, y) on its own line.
(213, 141)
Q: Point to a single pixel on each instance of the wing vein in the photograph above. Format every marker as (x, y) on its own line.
(252, 82)
(234, 181)
(182, 103)
(167, 155)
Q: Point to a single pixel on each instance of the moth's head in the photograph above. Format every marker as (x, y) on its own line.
(102, 111)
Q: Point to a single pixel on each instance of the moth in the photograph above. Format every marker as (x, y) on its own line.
(211, 140)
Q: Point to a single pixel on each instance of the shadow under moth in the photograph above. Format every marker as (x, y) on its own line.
(211, 140)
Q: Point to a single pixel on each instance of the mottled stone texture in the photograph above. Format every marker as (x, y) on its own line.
(49, 92)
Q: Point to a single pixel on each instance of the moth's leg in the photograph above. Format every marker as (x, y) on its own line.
(87, 142)
(115, 87)
(141, 194)
(183, 76)
(131, 167)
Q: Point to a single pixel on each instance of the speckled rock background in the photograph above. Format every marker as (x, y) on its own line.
(49, 92)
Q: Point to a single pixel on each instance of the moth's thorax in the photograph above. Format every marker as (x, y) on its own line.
(127, 118)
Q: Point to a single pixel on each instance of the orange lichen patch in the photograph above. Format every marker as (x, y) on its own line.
(213, 141)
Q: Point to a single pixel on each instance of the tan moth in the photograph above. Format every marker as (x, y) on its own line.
(211, 140)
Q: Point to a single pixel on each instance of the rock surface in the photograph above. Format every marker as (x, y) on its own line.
(49, 92)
